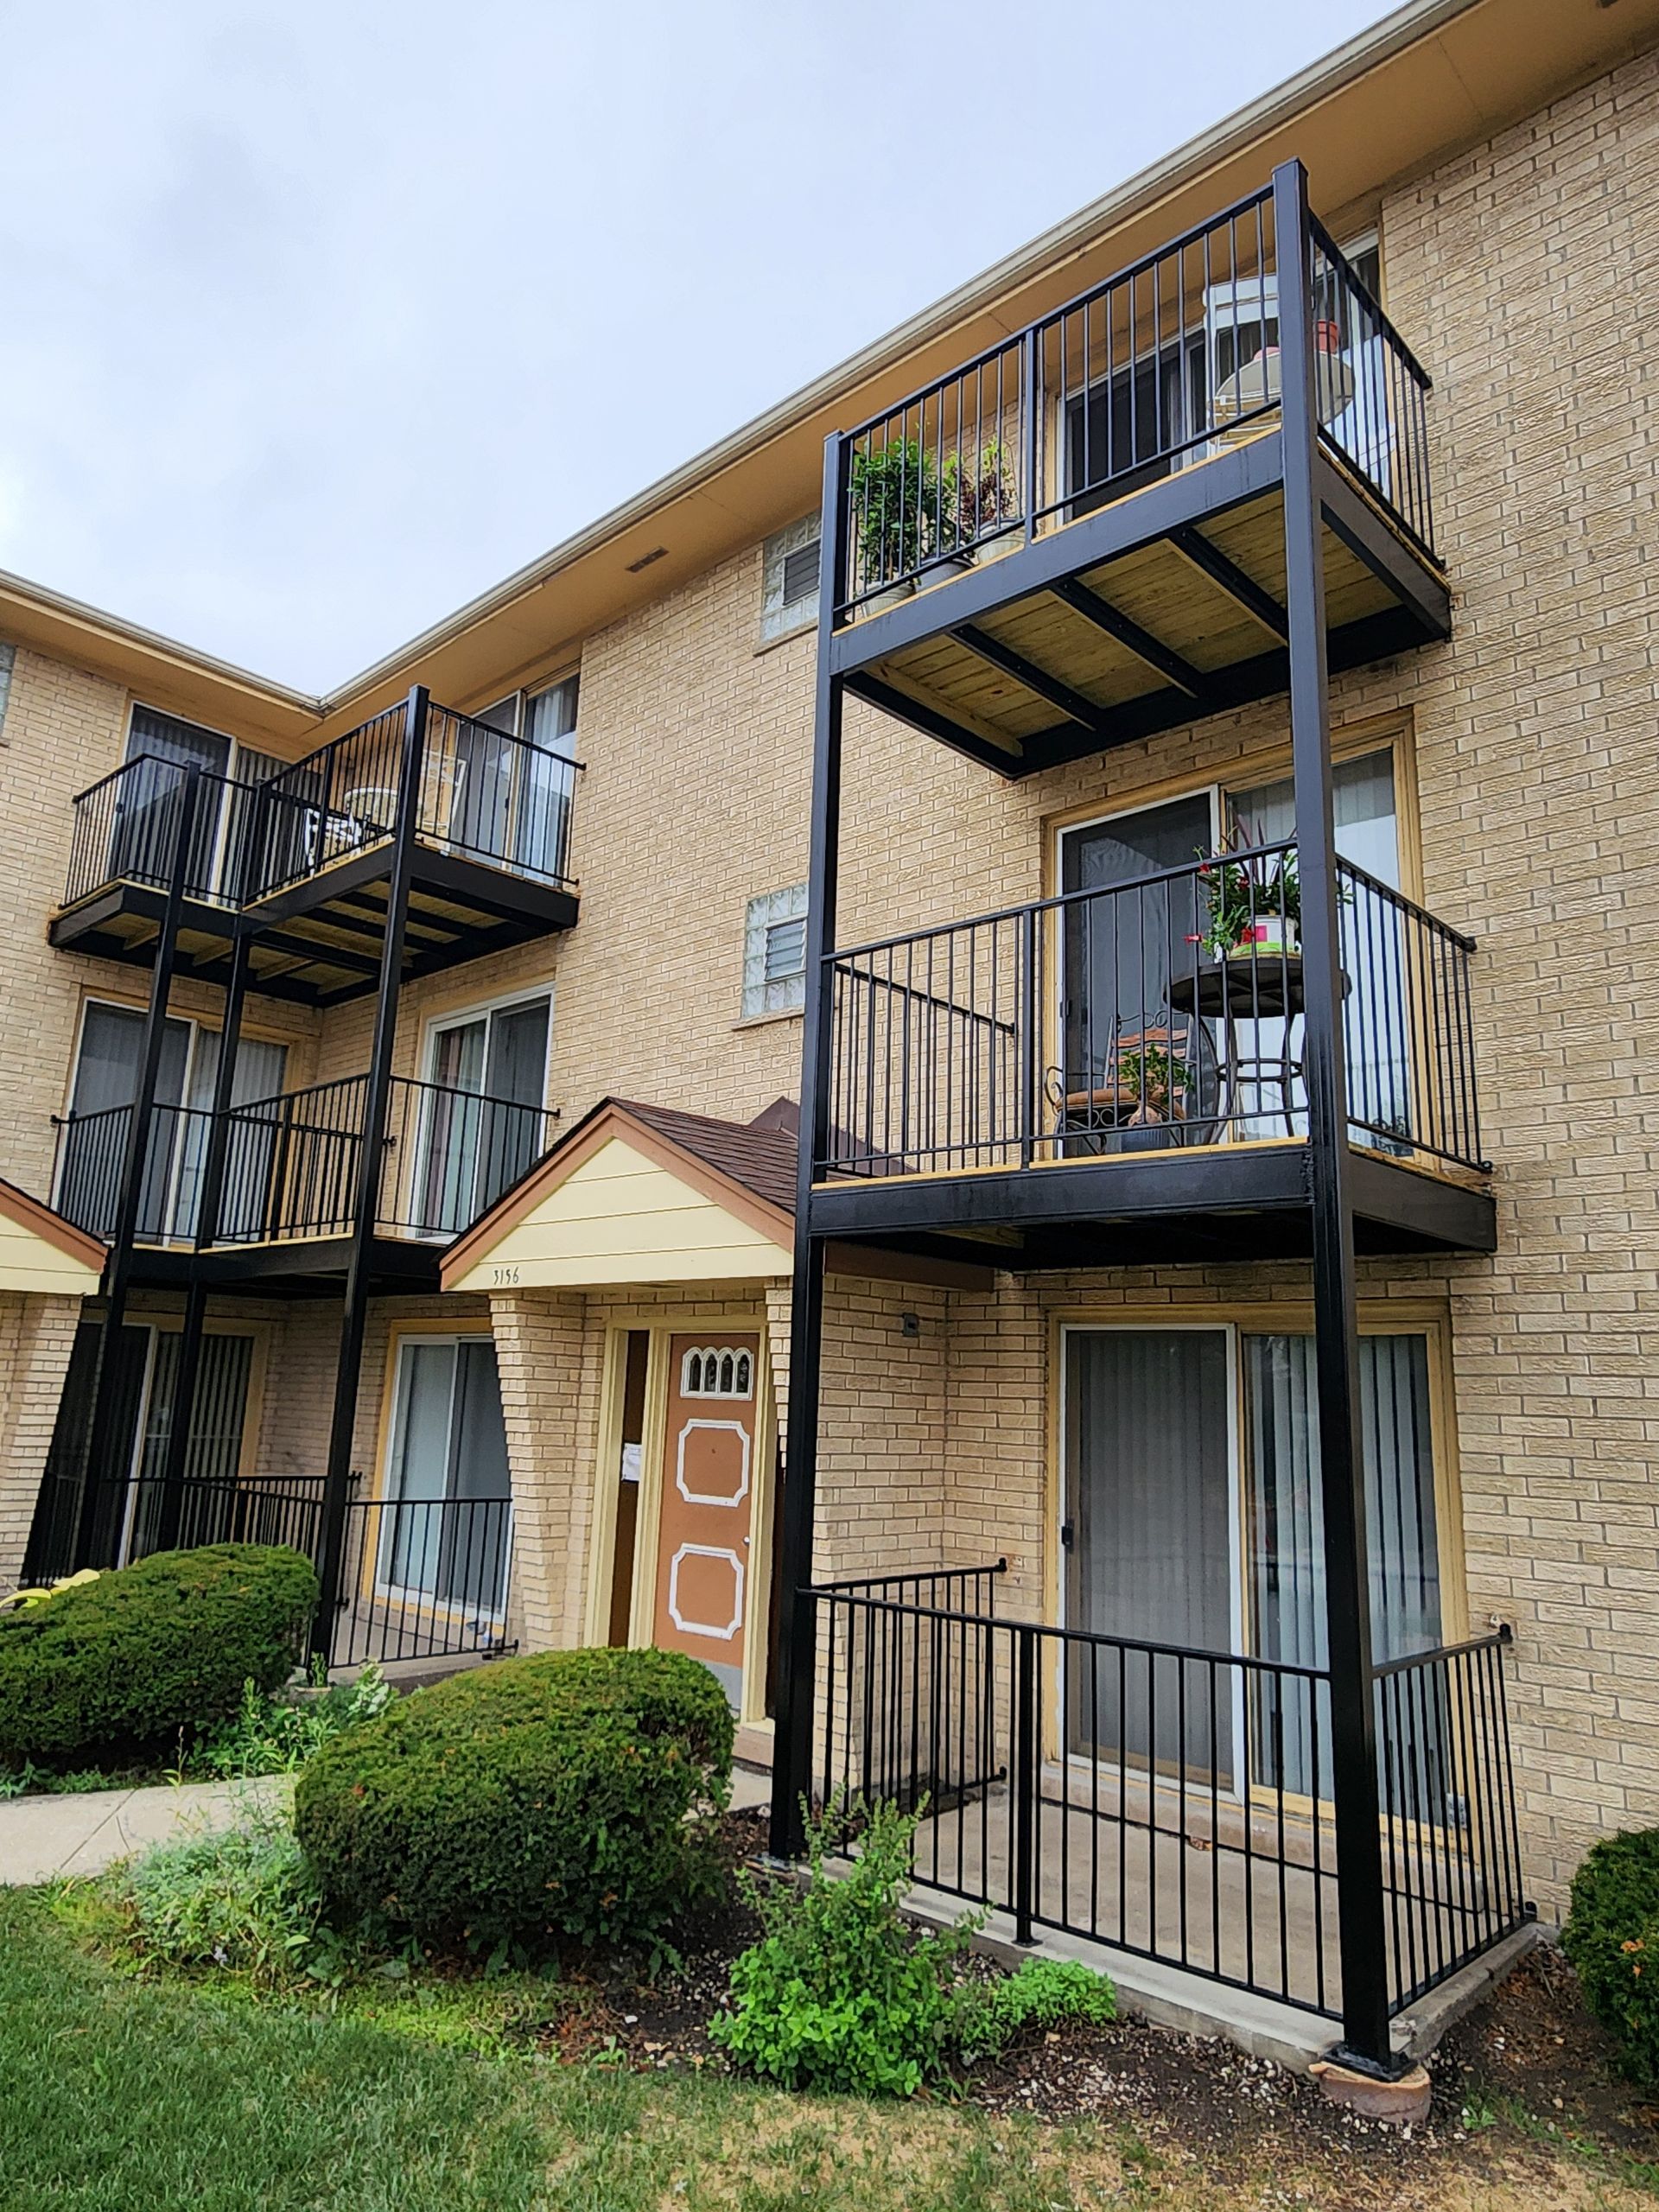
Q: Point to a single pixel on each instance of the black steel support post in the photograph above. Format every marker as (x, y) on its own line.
(377, 1094)
(97, 1537)
(798, 1624)
(1360, 1901)
(208, 1207)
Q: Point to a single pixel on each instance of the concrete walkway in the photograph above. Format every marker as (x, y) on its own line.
(83, 1834)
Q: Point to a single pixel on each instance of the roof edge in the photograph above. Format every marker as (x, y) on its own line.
(35, 1214)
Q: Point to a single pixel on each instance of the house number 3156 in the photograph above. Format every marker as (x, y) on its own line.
(504, 1275)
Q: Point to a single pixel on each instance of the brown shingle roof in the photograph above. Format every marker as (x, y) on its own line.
(761, 1159)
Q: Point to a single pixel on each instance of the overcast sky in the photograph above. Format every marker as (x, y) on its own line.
(317, 319)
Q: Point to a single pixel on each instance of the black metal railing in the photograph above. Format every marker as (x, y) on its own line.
(483, 793)
(421, 1578)
(92, 1154)
(1159, 1013)
(127, 825)
(292, 1162)
(1163, 364)
(1172, 1802)
(1452, 1849)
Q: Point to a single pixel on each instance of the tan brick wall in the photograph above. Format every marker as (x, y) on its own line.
(37, 1334)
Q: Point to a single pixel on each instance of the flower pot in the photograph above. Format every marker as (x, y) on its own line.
(994, 549)
(894, 595)
(1270, 937)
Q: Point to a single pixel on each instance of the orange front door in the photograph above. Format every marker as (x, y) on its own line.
(708, 1479)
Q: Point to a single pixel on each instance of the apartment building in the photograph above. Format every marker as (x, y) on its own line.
(1156, 758)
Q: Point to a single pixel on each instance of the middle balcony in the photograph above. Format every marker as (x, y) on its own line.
(1116, 1075)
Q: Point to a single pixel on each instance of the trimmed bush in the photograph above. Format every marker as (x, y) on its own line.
(529, 1799)
(1611, 1936)
(115, 1667)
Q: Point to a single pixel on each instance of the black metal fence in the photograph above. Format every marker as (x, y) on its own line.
(127, 825)
(1165, 363)
(1171, 1802)
(1163, 1012)
(291, 1163)
(422, 1577)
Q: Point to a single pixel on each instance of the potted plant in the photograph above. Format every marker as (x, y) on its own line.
(985, 496)
(1157, 1079)
(1255, 903)
(900, 510)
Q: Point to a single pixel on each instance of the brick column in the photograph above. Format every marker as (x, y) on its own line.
(538, 1348)
(37, 1333)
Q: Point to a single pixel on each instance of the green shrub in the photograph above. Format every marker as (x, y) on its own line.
(244, 1899)
(119, 1665)
(839, 1993)
(551, 1796)
(1611, 1936)
(269, 1735)
(1040, 1993)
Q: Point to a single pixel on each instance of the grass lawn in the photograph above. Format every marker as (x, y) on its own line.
(118, 2093)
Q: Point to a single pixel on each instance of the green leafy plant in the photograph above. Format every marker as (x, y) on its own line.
(903, 511)
(1241, 888)
(244, 1899)
(839, 1993)
(565, 1796)
(1611, 1935)
(116, 1666)
(1153, 1075)
(1040, 1994)
(278, 1734)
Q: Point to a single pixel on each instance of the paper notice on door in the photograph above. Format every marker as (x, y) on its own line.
(631, 1466)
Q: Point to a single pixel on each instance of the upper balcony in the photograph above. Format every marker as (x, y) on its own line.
(289, 1176)
(1117, 1074)
(1076, 538)
(302, 861)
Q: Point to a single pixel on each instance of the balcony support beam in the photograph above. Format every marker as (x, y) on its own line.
(1360, 1901)
(1369, 538)
(1071, 703)
(1226, 574)
(377, 1092)
(797, 1626)
(207, 1210)
(1141, 643)
(932, 723)
(97, 1536)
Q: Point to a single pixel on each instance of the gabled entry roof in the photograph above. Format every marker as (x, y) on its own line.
(641, 1194)
(41, 1251)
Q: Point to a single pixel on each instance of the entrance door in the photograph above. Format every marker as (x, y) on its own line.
(709, 1478)
(1149, 1544)
(447, 1526)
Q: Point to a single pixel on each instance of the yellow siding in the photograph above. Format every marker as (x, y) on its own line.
(621, 1218)
(27, 1262)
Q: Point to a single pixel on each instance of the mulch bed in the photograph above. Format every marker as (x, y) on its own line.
(1199, 2101)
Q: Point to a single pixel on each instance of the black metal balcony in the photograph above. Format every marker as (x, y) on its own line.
(1076, 538)
(291, 1168)
(302, 859)
(1084, 1072)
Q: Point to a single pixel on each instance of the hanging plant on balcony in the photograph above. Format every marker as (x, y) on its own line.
(1254, 904)
(901, 513)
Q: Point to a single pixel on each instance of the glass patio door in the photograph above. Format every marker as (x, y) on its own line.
(446, 1525)
(484, 1116)
(159, 747)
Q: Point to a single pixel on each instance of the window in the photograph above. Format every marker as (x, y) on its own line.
(716, 1371)
(8, 658)
(484, 1122)
(774, 954)
(789, 587)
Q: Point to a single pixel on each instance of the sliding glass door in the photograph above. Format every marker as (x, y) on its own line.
(446, 1525)
(484, 1115)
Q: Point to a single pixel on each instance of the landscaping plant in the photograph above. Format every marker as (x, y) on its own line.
(839, 1993)
(111, 1669)
(278, 1734)
(1040, 1994)
(564, 1795)
(245, 1899)
(1611, 1936)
